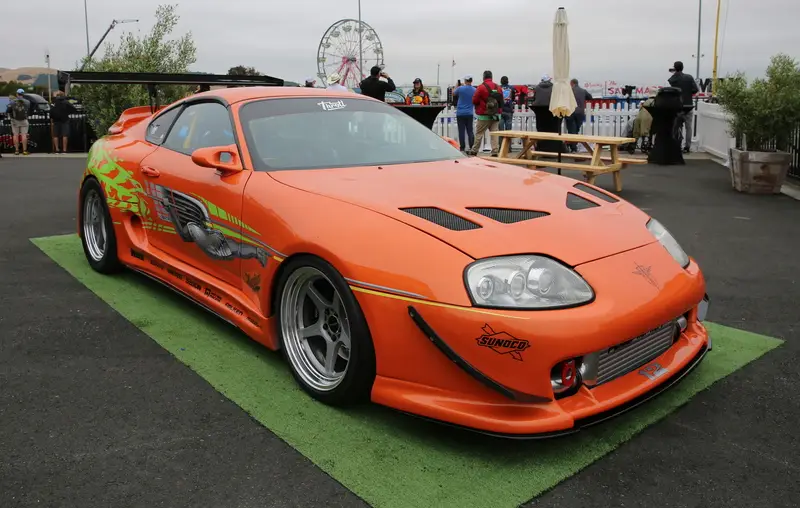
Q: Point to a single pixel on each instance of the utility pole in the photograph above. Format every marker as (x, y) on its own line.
(86, 17)
(438, 68)
(699, 25)
(716, 41)
(360, 43)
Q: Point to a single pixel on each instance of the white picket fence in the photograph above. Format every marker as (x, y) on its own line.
(601, 120)
(713, 132)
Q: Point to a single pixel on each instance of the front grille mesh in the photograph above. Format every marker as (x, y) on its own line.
(508, 215)
(619, 360)
(442, 218)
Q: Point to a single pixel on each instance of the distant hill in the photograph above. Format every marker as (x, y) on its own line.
(27, 75)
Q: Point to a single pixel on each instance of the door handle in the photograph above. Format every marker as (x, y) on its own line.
(147, 170)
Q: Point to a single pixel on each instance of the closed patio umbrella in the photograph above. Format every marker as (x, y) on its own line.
(562, 101)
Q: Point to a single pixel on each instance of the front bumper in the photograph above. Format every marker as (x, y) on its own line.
(521, 416)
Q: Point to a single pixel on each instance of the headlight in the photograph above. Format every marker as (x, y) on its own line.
(668, 242)
(526, 282)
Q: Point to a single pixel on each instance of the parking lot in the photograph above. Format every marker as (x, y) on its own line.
(95, 413)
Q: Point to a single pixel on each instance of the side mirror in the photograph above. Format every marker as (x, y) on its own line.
(452, 142)
(223, 158)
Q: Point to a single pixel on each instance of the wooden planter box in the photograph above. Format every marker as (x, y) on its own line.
(758, 172)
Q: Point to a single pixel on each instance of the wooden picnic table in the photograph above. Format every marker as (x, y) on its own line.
(594, 145)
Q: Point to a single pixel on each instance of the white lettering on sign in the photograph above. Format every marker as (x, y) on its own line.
(332, 105)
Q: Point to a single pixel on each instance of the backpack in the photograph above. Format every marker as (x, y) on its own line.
(19, 111)
(495, 101)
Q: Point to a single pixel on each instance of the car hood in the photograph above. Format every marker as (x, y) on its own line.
(573, 225)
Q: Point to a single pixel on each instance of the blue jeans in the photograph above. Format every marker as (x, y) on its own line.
(466, 130)
(505, 121)
(574, 124)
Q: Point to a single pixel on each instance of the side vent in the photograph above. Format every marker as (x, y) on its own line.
(596, 193)
(575, 202)
(442, 218)
(508, 215)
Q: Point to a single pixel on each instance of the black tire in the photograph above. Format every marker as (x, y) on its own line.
(109, 262)
(356, 385)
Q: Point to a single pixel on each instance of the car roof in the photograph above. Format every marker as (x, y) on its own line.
(233, 95)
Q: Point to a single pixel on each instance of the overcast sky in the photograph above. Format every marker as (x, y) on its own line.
(623, 40)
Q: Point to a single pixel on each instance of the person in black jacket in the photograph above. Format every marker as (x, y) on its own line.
(688, 87)
(374, 87)
(59, 117)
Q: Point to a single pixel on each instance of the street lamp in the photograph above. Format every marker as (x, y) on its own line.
(86, 18)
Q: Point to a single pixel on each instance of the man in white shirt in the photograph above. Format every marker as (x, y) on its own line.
(334, 83)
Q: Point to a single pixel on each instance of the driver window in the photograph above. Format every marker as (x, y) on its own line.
(201, 126)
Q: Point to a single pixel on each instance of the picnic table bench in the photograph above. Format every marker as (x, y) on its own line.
(594, 145)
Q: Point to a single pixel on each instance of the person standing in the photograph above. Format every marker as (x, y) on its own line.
(488, 101)
(372, 86)
(335, 83)
(545, 121)
(576, 119)
(310, 82)
(509, 96)
(465, 113)
(688, 87)
(59, 118)
(18, 110)
(418, 96)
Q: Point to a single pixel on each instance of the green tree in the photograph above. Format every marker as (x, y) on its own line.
(241, 70)
(154, 52)
(10, 87)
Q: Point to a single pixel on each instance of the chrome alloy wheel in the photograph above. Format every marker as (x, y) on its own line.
(94, 225)
(315, 329)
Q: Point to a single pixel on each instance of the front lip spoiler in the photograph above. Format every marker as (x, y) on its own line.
(467, 367)
(579, 424)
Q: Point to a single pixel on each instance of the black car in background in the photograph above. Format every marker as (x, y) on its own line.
(39, 105)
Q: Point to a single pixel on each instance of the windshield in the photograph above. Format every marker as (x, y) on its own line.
(324, 132)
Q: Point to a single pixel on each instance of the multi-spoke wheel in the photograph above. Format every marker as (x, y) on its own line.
(97, 231)
(323, 333)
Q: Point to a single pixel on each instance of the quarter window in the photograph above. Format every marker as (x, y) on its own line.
(158, 128)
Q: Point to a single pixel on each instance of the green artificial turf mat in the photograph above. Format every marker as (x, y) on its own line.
(389, 459)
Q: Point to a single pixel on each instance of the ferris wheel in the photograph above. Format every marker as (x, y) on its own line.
(339, 52)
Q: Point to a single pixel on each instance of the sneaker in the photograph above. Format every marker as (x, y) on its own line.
(24, 153)
(16, 152)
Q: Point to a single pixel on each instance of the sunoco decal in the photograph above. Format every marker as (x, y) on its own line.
(502, 343)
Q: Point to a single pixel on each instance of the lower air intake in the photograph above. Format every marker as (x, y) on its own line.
(442, 218)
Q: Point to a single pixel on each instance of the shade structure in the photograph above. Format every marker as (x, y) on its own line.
(562, 101)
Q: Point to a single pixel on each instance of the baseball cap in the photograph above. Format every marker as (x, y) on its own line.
(20, 91)
(334, 78)
(545, 78)
(310, 80)
(417, 80)
(468, 77)
(677, 66)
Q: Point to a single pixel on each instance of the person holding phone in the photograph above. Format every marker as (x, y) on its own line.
(372, 86)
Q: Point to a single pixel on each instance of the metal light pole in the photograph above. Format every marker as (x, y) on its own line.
(716, 41)
(699, 24)
(86, 17)
(360, 43)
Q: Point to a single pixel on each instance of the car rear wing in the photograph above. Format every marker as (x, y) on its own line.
(131, 117)
(152, 79)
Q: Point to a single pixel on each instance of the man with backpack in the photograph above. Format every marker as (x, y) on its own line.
(509, 96)
(488, 101)
(18, 113)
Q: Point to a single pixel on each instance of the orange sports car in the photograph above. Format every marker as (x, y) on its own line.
(388, 266)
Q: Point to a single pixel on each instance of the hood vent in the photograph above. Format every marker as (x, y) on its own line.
(508, 215)
(596, 193)
(575, 202)
(442, 218)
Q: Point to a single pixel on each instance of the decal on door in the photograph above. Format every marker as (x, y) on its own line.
(191, 219)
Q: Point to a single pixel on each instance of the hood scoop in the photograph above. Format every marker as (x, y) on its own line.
(596, 193)
(508, 215)
(442, 218)
(575, 202)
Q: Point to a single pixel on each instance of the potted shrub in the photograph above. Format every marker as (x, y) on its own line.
(764, 115)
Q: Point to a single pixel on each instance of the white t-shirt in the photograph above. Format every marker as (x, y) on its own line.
(337, 87)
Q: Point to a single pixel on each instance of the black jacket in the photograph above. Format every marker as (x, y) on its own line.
(687, 84)
(542, 94)
(61, 109)
(375, 88)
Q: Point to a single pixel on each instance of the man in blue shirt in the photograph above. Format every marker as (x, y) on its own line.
(465, 112)
(509, 95)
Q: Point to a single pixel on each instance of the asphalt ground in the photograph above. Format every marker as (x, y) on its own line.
(94, 413)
